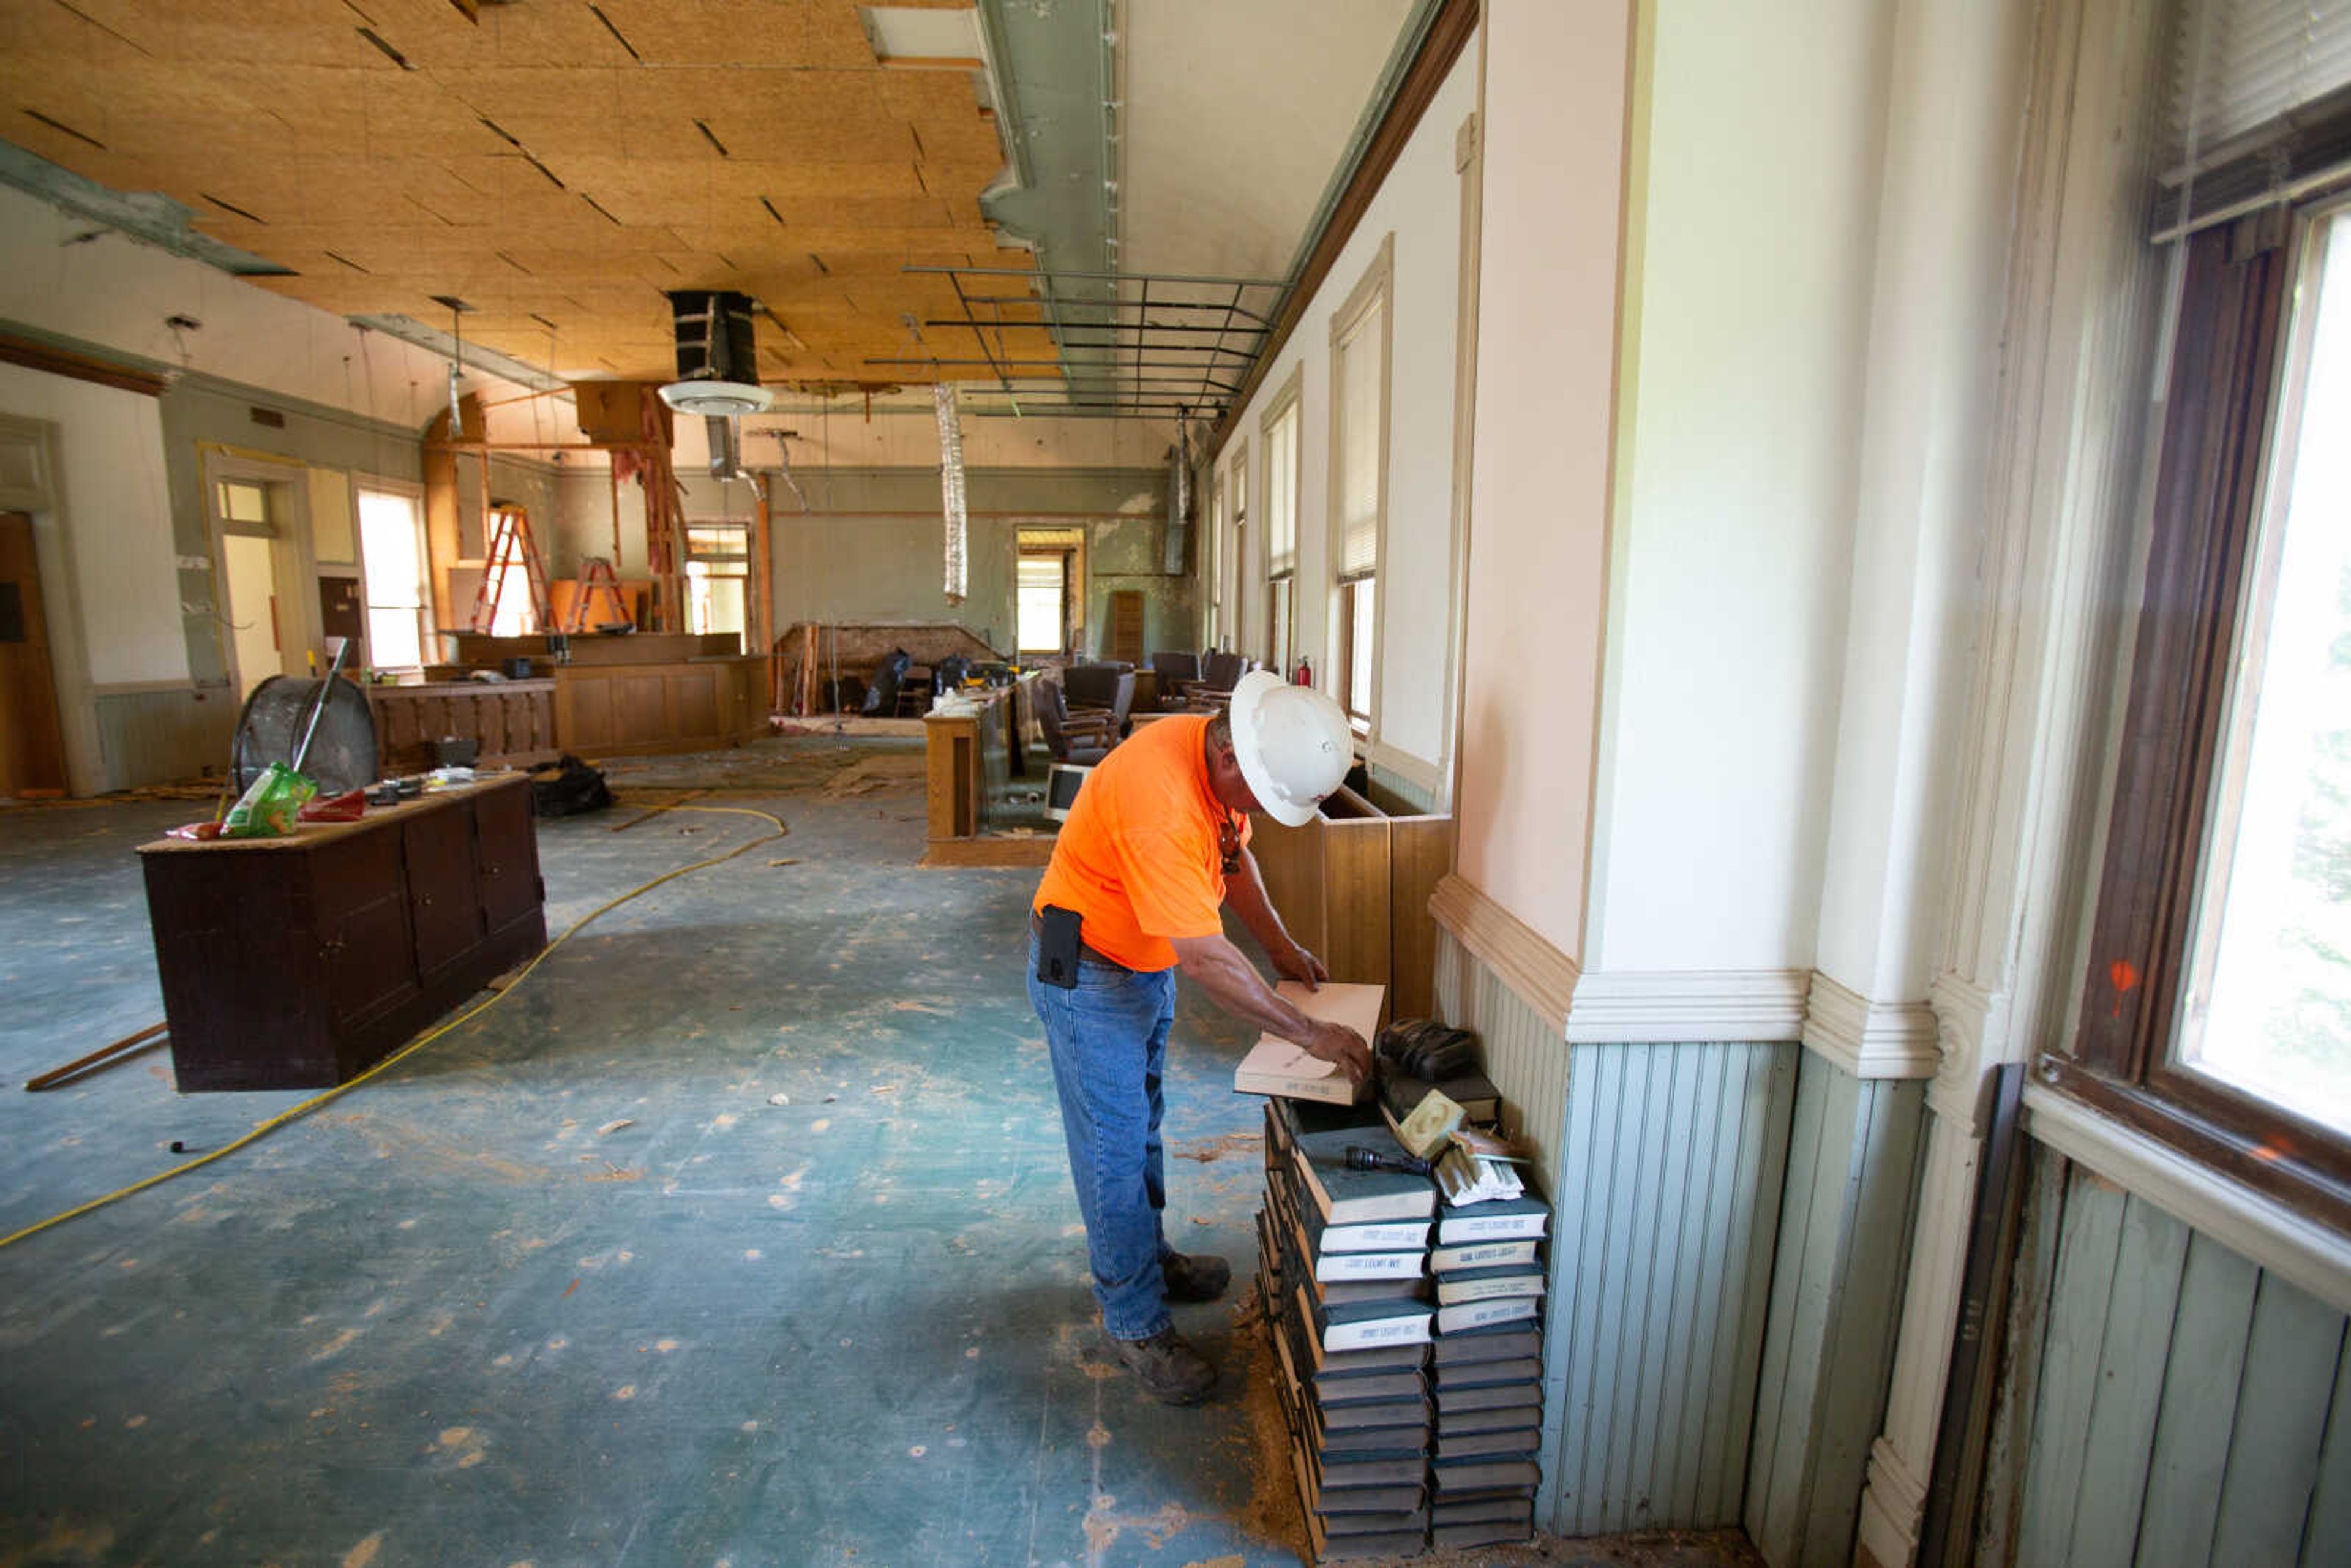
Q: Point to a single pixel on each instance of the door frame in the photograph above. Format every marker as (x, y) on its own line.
(291, 566)
(32, 481)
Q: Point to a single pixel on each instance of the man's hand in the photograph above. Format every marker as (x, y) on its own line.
(1337, 1042)
(1295, 963)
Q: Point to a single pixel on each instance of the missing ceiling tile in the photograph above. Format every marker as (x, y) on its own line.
(395, 56)
(70, 131)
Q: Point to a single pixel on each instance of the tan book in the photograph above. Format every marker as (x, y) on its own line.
(1280, 1067)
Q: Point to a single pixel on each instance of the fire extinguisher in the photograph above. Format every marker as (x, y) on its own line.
(1304, 674)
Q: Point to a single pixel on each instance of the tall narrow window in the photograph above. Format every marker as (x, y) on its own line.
(717, 569)
(1359, 417)
(392, 559)
(1043, 592)
(1237, 499)
(1216, 577)
(1280, 442)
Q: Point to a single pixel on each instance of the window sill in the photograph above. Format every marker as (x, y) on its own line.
(2272, 1235)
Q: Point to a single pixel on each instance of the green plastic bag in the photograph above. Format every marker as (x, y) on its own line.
(267, 809)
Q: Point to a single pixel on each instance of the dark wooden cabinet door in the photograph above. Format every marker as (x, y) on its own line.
(443, 904)
(360, 916)
(505, 835)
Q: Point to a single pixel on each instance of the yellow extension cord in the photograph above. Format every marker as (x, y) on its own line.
(422, 1040)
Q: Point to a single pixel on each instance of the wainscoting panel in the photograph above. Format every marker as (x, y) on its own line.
(1671, 1166)
(2193, 1409)
(1525, 1056)
(164, 737)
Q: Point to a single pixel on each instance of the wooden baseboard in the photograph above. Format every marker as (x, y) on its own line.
(950, 854)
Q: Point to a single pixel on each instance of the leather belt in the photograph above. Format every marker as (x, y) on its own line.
(1087, 951)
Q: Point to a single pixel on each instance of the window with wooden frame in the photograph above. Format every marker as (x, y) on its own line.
(2215, 1015)
(1237, 503)
(1279, 437)
(1215, 607)
(392, 566)
(1359, 431)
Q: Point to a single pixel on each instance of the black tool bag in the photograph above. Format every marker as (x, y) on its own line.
(1427, 1050)
(568, 787)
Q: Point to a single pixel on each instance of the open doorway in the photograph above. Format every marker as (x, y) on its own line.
(32, 751)
(1050, 592)
(255, 601)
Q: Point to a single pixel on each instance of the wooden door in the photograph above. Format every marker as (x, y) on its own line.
(32, 752)
(443, 893)
(1126, 626)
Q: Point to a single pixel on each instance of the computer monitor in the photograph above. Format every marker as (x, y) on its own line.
(1062, 781)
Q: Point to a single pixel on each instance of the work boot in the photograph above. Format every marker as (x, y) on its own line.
(1201, 1277)
(1169, 1369)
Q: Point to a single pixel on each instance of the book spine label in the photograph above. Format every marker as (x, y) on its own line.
(1367, 1266)
(1478, 1314)
(1381, 1331)
(1452, 1292)
(1483, 1254)
(1492, 1228)
(1329, 1092)
(1402, 1238)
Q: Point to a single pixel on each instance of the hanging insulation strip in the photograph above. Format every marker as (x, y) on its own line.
(942, 399)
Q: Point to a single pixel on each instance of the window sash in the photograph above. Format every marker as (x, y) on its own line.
(2211, 474)
(1281, 493)
(1361, 380)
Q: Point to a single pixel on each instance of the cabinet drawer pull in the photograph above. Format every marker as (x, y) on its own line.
(331, 945)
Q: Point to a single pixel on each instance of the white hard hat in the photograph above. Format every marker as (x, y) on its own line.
(1292, 744)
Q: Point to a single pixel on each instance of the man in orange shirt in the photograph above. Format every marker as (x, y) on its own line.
(1156, 847)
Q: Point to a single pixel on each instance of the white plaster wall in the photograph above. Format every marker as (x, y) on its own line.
(1556, 79)
(116, 293)
(1732, 551)
(117, 519)
(1420, 203)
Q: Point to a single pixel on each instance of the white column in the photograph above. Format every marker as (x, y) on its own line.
(2058, 491)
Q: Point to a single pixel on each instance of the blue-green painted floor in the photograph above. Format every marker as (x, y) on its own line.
(739, 1233)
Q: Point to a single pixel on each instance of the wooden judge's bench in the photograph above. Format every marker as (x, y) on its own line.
(628, 694)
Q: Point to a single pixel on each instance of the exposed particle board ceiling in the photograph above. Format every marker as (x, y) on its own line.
(557, 165)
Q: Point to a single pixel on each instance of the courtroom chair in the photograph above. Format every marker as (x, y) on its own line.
(1103, 687)
(1220, 674)
(1083, 738)
(1176, 671)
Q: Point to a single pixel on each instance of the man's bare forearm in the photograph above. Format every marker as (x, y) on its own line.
(1245, 892)
(1227, 975)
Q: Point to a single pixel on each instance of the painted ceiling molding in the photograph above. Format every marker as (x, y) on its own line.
(1869, 1038)
(1540, 974)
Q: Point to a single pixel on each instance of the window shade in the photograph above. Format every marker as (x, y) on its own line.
(1282, 494)
(1362, 383)
(2259, 106)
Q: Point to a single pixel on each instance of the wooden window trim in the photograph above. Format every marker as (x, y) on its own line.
(2226, 358)
(25, 352)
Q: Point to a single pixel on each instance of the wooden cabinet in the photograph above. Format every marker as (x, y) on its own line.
(513, 722)
(299, 963)
(1352, 886)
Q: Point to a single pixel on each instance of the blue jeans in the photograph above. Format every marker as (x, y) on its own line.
(1109, 1042)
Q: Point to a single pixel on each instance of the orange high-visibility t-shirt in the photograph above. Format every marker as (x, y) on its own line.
(1138, 858)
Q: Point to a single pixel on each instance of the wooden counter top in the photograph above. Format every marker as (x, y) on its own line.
(310, 835)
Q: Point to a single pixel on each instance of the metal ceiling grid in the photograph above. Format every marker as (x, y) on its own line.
(1121, 344)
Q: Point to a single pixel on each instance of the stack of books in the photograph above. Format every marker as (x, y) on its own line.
(1343, 1268)
(1487, 1369)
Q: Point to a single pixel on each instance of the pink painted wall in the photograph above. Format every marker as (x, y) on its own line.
(1556, 83)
